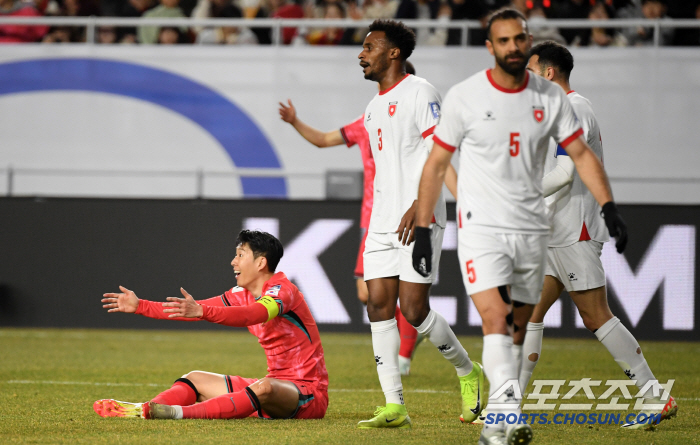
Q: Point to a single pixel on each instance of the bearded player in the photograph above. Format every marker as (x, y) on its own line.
(501, 119)
(576, 243)
(275, 311)
(400, 122)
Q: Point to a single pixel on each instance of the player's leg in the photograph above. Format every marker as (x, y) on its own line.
(531, 336)
(362, 291)
(521, 314)
(381, 273)
(190, 388)
(414, 292)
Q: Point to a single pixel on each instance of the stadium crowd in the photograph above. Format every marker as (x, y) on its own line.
(438, 10)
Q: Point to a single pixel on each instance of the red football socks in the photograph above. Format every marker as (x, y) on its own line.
(408, 334)
(236, 405)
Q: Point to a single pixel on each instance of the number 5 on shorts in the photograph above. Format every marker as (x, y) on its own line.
(471, 273)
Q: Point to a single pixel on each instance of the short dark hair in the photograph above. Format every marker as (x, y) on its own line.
(262, 244)
(397, 34)
(504, 14)
(410, 69)
(555, 55)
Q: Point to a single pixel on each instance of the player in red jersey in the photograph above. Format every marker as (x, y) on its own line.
(275, 311)
(355, 134)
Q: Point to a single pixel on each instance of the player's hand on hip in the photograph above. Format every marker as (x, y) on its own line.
(127, 301)
(422, 251)
(616, 225)
(406, 229)
(183, 307)
(288, 113)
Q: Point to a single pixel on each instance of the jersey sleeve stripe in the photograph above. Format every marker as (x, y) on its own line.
(428, 132)
(225, 300)
(561, 151)
(571, 138)
(443, 144)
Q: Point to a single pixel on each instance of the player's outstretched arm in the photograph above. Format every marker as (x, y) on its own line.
(317, 137)
(126, 301)
(183, 307)
(592, 173)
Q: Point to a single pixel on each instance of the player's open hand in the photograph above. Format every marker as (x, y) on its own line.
(408, 223)
(127, 301)
(183, 307)
(288, 113)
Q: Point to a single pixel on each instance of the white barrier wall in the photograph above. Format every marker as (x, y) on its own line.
(142, 121)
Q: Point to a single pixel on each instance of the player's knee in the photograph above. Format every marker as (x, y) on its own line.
(193, 376)
(591, 321)
(263, 389)
(415, 314)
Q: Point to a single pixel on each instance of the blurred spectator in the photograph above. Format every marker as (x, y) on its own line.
(171, 35)
(640, 36)
(226, 34)
(601, 10)
(539, 29)
(132, 8)
(20, 33)
(471, 10)
(571, 9)
(167, 8)
(426, 9)
(70, 8)
(285, 9)
(107, 35)
(331, 35)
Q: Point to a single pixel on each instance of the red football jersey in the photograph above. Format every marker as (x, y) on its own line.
(291, 340)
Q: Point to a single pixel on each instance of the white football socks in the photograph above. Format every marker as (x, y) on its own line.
(438, 331)
(625, 350)
(499, 366)
(386, 342)
(532, 349)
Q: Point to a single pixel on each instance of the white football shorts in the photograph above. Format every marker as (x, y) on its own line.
(490, 260)
(385, 257)
(577, 266)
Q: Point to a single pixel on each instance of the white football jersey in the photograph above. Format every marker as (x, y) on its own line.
(397, 121)
(575, 214)
(503, 137)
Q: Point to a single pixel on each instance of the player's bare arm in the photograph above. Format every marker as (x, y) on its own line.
(317, 137)
(183, 307)
(126, 302)
(428, 192)
(407, 225)
(451, 180)
(593, 175)
(434, 173)
(591, 170)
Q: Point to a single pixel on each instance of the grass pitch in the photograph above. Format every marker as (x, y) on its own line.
(50, 377)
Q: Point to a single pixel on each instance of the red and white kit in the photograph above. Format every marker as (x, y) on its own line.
(503, 137)
(578, 230)
(398, 120)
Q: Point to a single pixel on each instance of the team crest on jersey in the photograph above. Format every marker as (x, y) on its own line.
(392, 108)
(274, 290)
(538, 112)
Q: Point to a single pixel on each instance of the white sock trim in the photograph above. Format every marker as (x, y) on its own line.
(607, 328)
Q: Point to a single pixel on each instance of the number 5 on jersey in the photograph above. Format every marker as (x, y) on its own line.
(471, 273)
(514, 144)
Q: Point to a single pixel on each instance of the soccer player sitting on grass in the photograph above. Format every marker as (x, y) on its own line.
(274, 310)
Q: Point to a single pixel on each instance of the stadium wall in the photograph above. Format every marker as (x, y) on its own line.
(60, 255)
(140, 121)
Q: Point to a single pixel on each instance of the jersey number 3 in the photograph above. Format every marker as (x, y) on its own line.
(379, 134)
(514, 144)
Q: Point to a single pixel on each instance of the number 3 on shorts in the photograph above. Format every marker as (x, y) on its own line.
(471, 273)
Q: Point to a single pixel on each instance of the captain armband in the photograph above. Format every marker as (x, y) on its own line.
(270, 304)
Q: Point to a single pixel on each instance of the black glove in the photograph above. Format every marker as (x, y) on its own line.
(616, 225)
(422, 251)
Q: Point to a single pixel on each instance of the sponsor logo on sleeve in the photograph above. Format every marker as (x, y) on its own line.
(435, 109)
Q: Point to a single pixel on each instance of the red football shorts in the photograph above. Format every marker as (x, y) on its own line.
(313, 402)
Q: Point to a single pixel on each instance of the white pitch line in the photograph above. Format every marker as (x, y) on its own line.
(54, 382)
